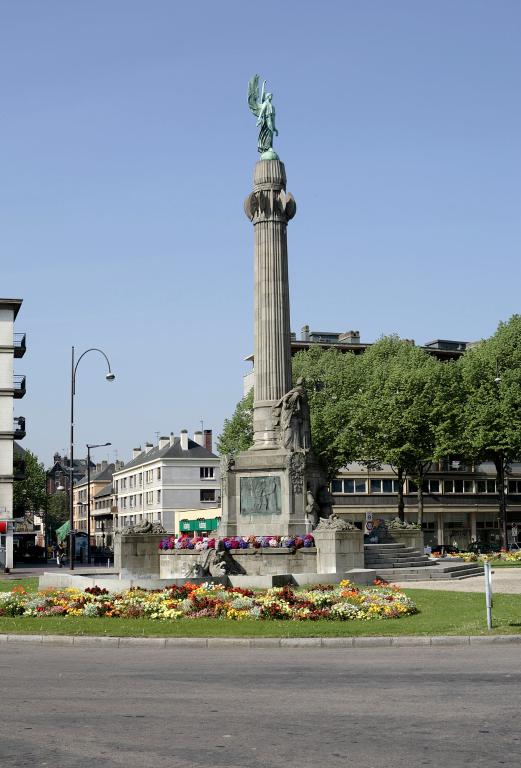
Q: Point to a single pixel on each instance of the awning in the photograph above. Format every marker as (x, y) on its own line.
(63, 531)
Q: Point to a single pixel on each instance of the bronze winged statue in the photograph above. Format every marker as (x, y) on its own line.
(264, 111)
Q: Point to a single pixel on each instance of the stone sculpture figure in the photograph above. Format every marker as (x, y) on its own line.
(312, 509)
(291, 416)
(264, 111)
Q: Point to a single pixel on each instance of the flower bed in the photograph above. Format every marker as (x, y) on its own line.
(236, 542)
(506, 557)
(191, 601)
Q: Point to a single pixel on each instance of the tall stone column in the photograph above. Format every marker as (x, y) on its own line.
(270, 208)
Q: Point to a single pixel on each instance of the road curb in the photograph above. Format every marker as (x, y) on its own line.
(403, 641)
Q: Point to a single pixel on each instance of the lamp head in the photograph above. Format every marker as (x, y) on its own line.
(110, 376)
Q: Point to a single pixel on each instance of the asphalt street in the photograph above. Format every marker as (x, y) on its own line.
(72, 707)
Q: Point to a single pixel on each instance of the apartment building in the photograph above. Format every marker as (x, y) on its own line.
(178, 473)
(100, 475)
(12, 387)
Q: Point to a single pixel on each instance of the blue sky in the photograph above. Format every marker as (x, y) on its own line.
(127, 149)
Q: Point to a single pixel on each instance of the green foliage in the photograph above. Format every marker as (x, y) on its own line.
(57, 512)
(29, 494)
(333, 380)
(491, 419)
(237, 434)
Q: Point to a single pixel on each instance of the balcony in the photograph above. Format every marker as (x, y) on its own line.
(18, 387)
(19, 344)
(19, 428)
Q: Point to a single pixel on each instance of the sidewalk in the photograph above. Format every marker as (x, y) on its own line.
(505, 580)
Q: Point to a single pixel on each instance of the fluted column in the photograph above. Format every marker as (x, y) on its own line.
(270, 208)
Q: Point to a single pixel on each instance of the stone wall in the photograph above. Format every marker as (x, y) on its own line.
(264, 561)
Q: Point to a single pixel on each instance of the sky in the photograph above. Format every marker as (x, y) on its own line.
(126, 152)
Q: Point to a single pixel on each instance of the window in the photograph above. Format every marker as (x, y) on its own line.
(150, 498)
(431, 486)
(159, 473)
(206, 473)
(485, 486)
(385, 485)
(207, 494)
(141, 478)
(458, 486)
(514, 486)
(349, 486)
(158, 497)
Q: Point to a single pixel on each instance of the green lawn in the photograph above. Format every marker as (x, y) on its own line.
(30, 584)
(441, 613)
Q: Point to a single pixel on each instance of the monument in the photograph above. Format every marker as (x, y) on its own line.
(277, 487)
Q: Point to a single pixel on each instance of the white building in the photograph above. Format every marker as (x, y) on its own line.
(176, 474)
(11, 387)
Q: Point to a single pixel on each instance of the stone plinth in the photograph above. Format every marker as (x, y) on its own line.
(137, 554)
(338, 551)
(411, 537)
(279, 504)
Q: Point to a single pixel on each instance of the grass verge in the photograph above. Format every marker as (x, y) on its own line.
(440, 613)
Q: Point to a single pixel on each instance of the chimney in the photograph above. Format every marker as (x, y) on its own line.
(163, 442)
(198, 438)
(104, 464)
(304, 333)
(172, 438)
(136, 452)
(208, 439)
(98, 467)
(184, 440)
(148, 447)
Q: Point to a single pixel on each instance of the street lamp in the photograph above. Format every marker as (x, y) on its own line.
(89, 448)
(501, 473)
(110, 377)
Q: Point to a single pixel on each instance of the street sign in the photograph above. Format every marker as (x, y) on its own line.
(368, 526)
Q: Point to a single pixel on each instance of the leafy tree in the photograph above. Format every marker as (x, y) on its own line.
(333, 379)
(397, 412)
(491, 423)
(237, 434)
(29, 494)
(57, 512)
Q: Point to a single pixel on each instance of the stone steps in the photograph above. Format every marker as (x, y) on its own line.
(464, 571)
(396, 562)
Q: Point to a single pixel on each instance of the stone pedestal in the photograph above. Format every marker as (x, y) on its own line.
(264, 492)
(137, 554)
(411, 537)
(338, 551)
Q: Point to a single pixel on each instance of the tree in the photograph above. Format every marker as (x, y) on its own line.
(491, 424)
(29, 494)
(57, 512)
(333, 379)
(397, 412)
(237, 434)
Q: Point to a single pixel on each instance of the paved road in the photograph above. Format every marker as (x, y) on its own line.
(298, 708)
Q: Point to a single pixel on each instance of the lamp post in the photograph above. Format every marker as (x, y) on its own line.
(89, 448)
(110, 377)
(501, 471)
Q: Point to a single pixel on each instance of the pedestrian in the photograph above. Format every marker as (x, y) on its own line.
(60, 552)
